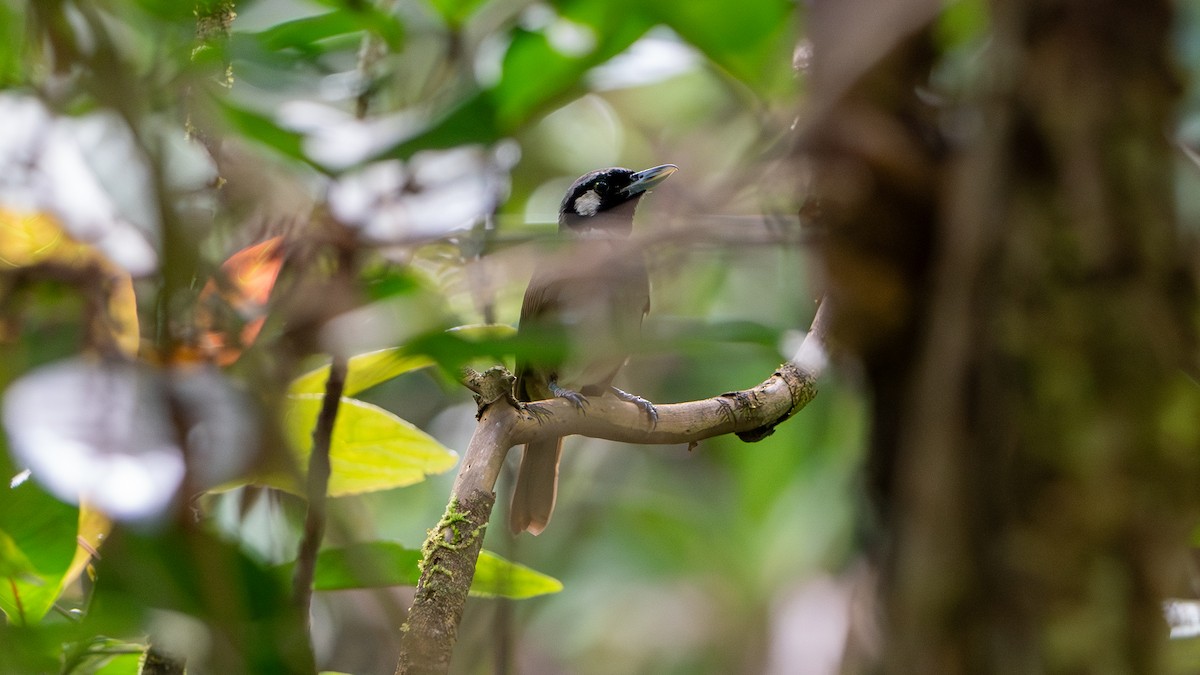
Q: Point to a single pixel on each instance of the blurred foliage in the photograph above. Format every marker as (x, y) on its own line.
(380, 563)
(671, 560)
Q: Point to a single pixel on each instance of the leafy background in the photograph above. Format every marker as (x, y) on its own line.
(441, 134)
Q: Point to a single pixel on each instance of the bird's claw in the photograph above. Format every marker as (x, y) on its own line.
(536, 411)
(577, 399)
(645, 406)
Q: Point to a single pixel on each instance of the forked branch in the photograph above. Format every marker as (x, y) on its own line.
(452, 548)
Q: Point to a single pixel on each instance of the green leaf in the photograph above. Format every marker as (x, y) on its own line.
(303, 34)
(456, 12)
(263, 129)
(371, 449)
(374, 368)
(537, 72)
(12, 46)
(43, 530)
(364, 371)
(13, 562)
(751, 39)
(121, 664)
(381, 563)
(497, 577)
(473, 120)
(194, 572)
(460, 346)
(100, 655)
(962, 22)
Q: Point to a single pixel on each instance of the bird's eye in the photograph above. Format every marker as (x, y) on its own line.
(601, 187)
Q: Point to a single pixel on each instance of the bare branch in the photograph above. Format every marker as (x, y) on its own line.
(451, 550)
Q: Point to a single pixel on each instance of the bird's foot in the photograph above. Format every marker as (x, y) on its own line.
(534, 410)
(576, 398)
(646, 406)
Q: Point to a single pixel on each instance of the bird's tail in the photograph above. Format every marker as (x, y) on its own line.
(537, 487)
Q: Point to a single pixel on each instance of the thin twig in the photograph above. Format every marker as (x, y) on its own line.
(318, 484)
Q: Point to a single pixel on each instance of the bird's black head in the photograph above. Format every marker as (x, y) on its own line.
(603, 201)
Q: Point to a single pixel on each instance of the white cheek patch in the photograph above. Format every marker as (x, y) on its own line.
(587, 204)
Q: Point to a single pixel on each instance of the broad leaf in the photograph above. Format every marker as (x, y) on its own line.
(303, 34)
(456, 12)
(364, 371)
(378, 564)
(373, 368)
(263, 129)
(751, 39)
(13, 563)
(539, 69)
(497, 577)
(371, 449)
(43, 530)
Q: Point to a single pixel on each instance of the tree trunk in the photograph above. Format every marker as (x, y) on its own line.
(1022, 308)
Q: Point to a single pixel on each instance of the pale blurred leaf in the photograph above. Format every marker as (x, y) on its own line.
(100, 431)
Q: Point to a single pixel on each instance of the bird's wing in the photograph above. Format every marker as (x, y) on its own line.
(542, 299)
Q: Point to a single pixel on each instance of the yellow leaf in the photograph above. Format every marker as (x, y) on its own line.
(371, 449)
(28, 239)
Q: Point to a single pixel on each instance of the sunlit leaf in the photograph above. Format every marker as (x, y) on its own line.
(373, 368)
(94, 527)
(460, 346)
(365, 371)
(121, 664)
(497, 577)
(378, 564)
(100, 655)
(371, 449)
(35, 237)
(30, 238)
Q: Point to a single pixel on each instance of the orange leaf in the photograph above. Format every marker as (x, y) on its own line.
(245, 284)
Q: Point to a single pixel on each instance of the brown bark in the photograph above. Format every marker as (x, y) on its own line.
(1035, 484)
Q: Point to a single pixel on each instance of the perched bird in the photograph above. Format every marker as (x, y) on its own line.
(594, 302)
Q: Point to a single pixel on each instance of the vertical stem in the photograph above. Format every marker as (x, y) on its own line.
(452, 549)
(317, 486)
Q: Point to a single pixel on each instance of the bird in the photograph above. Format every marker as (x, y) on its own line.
(594, 301)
